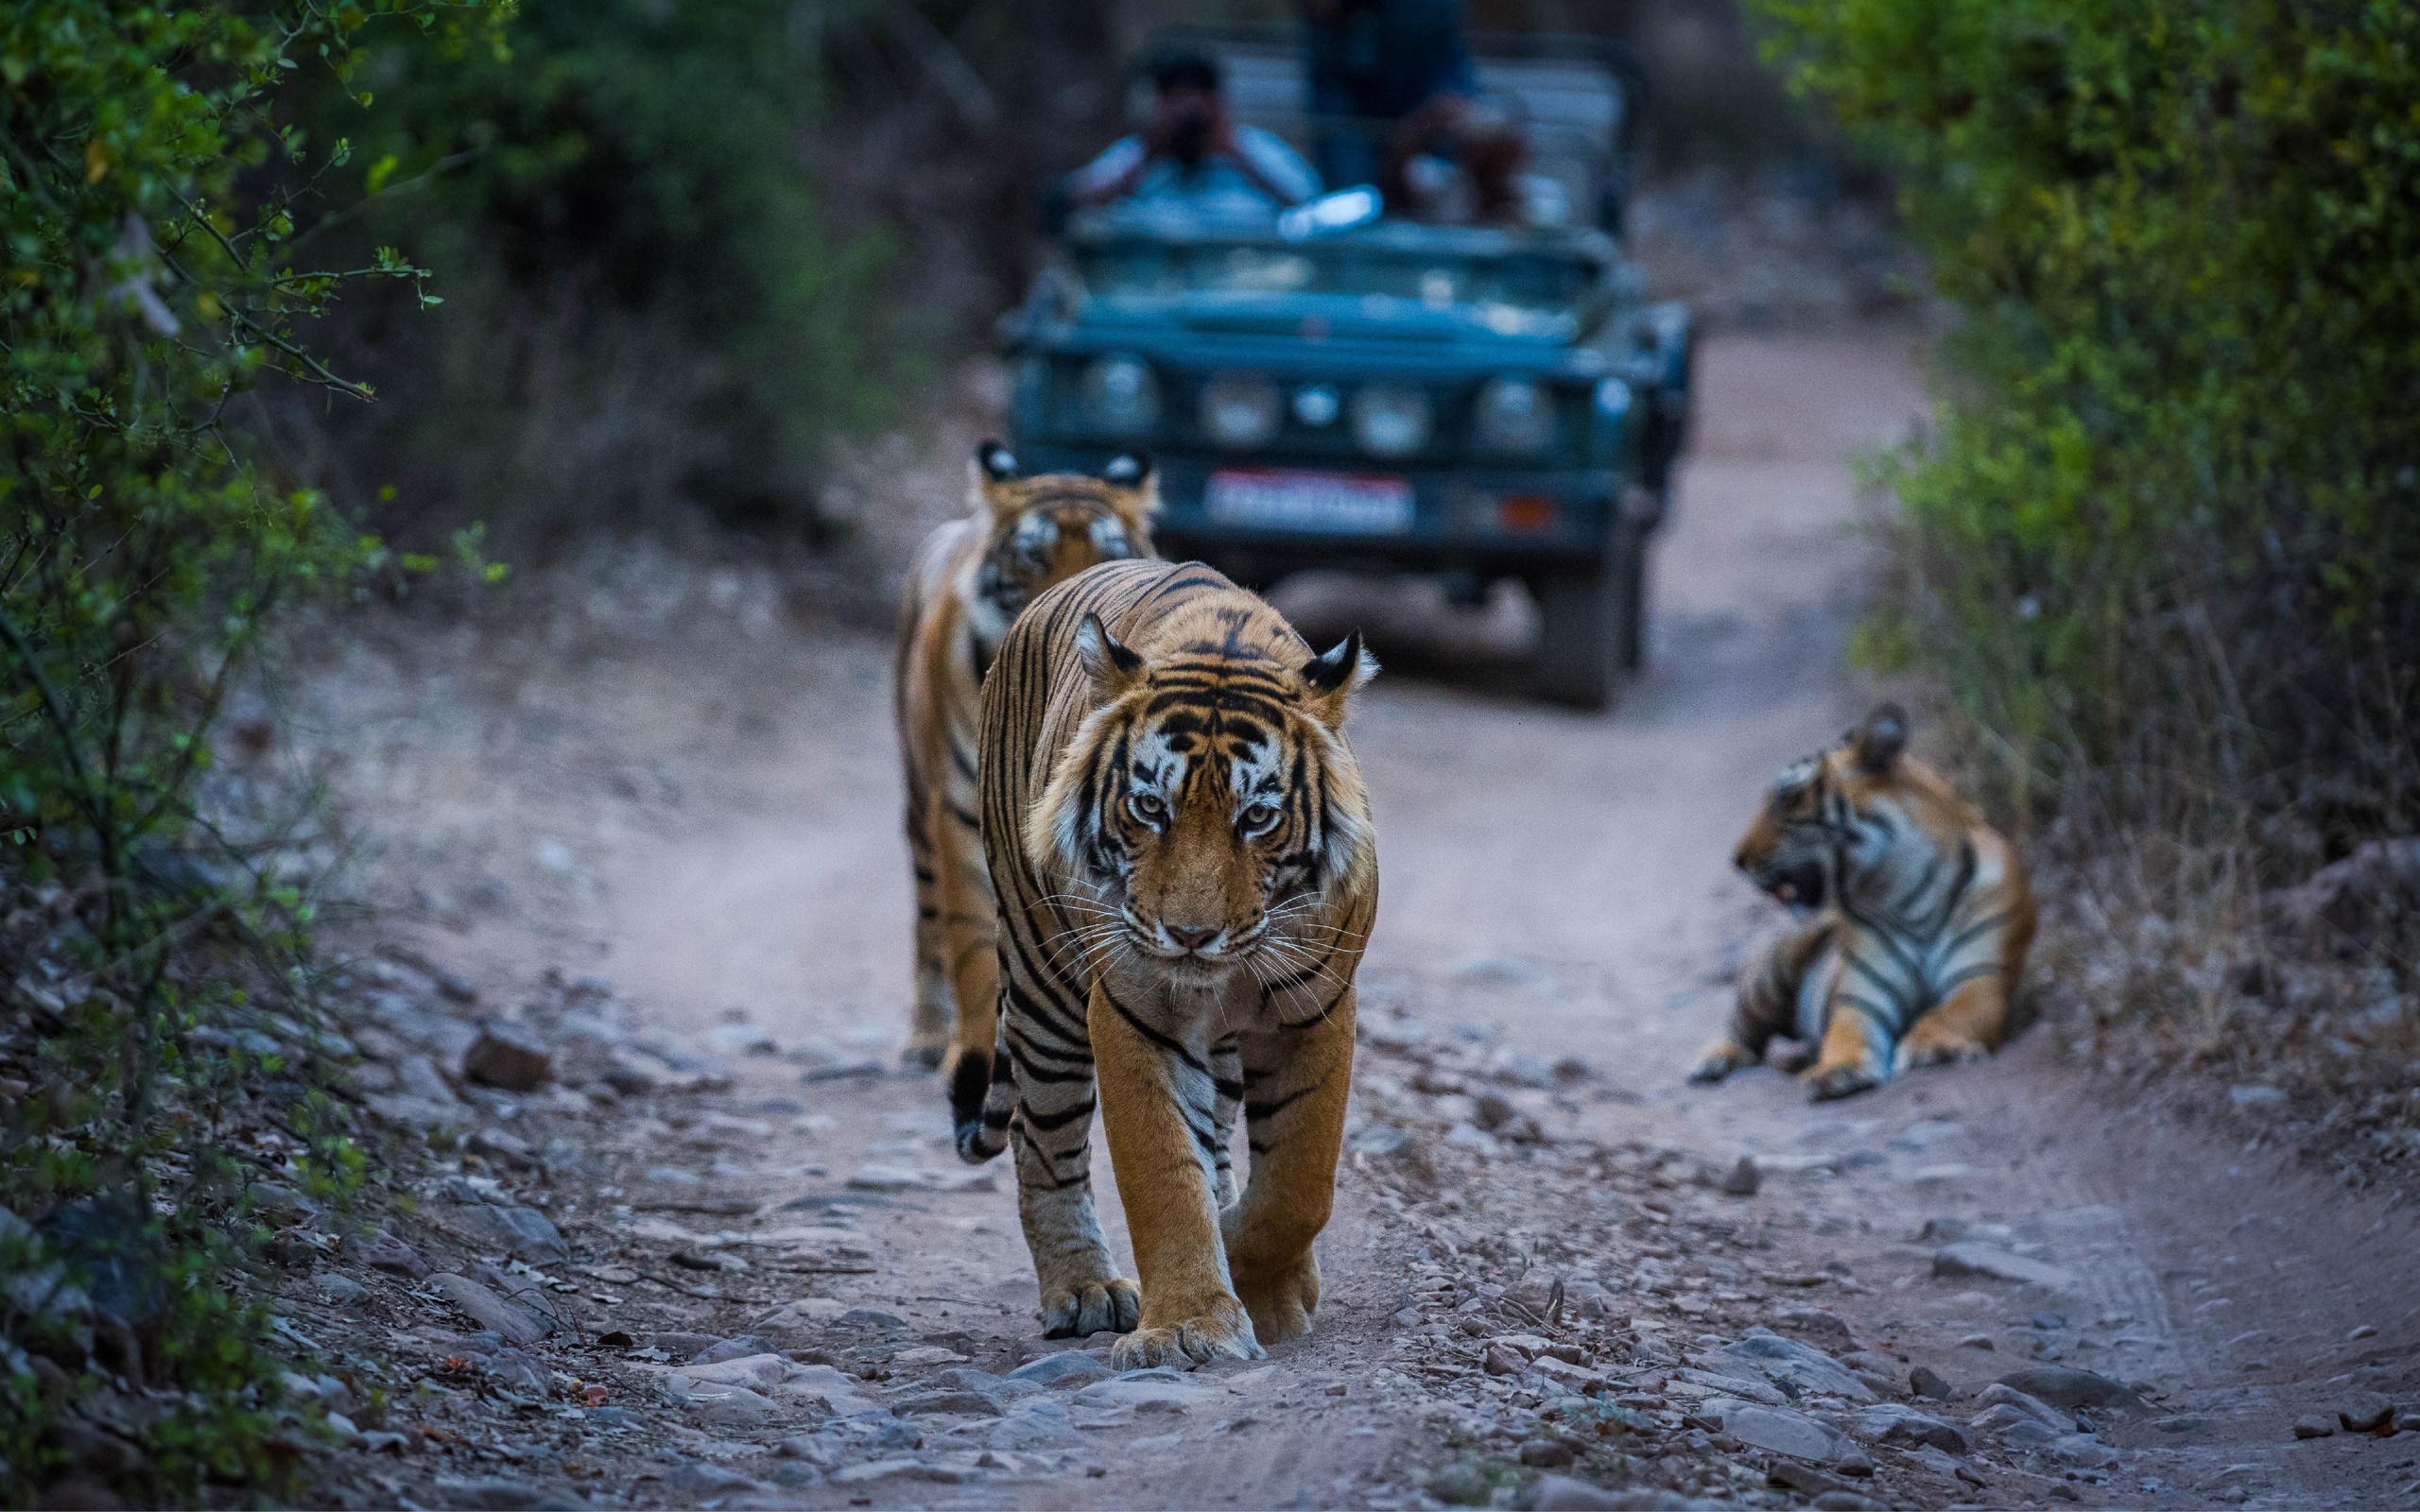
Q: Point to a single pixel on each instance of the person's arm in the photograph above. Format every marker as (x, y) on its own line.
(1112, 174)
(1275, 169)
(1437, 113)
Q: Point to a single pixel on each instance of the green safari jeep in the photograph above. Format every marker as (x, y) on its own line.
(1337, 390)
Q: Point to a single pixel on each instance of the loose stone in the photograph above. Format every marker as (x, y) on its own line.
(2064, 1388)
(2365, 1412)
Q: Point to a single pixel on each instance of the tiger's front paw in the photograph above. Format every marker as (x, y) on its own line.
(1719, 1059)
(1940, 1053)
(1282, 1301)
(1826, 1084)
(1224, 1330)
(1112, 1304)
(1933, 1044)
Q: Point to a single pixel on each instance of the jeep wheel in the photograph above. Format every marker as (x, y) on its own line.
(1589, 630)
(1634, 570)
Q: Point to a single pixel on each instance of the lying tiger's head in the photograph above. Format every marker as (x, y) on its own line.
(1815, 830)
(1048, 528)
(1209, 804)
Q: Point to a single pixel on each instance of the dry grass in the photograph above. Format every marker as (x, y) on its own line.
(2214, 832)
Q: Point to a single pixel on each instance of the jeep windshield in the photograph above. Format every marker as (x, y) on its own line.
(1509, 282)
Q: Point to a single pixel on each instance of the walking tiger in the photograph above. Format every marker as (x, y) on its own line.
(1182, 850)
(970, 580)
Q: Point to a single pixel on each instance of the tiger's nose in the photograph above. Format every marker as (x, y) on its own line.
(1191, 939)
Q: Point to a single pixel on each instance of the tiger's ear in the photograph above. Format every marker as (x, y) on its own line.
(1331, 676)
(1879, 741)
(1113, 668)
(993, 467)
(1133, 473)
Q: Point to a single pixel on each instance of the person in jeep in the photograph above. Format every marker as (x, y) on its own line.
(1194, 154)
(1382, 76)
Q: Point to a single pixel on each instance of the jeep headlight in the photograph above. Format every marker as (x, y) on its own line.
(1121, 394)
(1515, 414)
(1609, 414)
(1390, 419)
(1240, 409)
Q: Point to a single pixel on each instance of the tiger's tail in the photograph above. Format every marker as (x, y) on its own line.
(982, 1094)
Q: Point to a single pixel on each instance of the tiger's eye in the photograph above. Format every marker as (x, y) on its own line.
(1259, 816)
(1149, 808)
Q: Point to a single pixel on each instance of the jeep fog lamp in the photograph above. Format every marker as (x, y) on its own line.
(1515, 414)
(1390, 419)
(1239, 409)
(1121, 395)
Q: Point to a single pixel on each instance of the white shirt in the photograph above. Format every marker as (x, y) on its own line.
(1216, 184)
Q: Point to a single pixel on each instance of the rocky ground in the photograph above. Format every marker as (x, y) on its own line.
(673, 1231)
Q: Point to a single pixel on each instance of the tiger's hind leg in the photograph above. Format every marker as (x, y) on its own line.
(933, 1017)
(935, 1012)
(982, 1098)
(1967, 1026)
(1767, 1004)
(966, 917)
(1297, 1079)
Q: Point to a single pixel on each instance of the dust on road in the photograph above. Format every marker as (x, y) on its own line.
(705, 812)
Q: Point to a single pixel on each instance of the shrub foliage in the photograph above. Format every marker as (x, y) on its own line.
(2163, 543)
(156, 208)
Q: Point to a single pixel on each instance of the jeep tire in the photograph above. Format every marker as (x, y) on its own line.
(1590, 628)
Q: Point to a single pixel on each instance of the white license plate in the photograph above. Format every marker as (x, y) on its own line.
(1265, 499)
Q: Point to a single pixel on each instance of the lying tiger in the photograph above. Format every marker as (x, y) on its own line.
(1920, 919)
(1182, 850)
(970, 580)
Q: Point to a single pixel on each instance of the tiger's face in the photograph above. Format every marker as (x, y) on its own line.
(1208, 804)
(1047, 529)
(1813, 834)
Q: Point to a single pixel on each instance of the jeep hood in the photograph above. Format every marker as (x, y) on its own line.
(1317, 317)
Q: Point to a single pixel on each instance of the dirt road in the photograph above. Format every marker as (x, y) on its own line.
(677, 785)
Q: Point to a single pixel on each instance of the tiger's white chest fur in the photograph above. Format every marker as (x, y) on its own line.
(1905, 902)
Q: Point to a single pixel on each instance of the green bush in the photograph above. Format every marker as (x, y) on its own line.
(651, 305)
(2163, 543)
(151, 202)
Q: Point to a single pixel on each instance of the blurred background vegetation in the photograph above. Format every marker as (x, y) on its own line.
(161, 1064)
(686, 248)
(2162, 544)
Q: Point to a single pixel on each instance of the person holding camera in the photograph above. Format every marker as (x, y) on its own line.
(1194, 153)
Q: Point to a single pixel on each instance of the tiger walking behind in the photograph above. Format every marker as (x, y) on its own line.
(1181, 845)
(1920, 916)
(968, 583)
